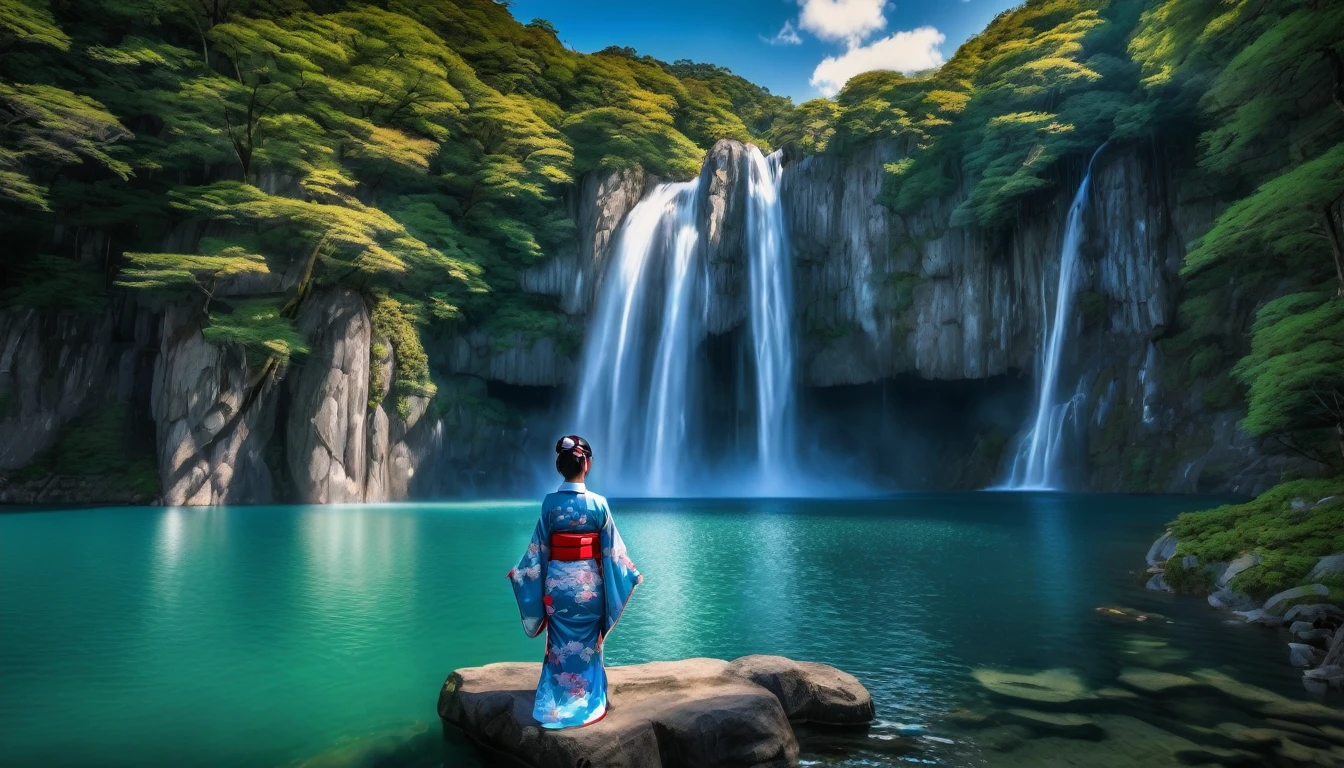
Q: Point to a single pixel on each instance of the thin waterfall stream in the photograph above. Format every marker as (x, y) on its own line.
(1037, 463)
(771, 301)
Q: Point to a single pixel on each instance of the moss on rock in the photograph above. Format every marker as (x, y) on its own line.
(1286, 526)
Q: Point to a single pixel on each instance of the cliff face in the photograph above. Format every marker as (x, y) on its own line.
(883, 296)
(891, 311)
(213, 417)
(51, 367)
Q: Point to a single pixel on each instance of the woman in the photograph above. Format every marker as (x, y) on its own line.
(573, 581)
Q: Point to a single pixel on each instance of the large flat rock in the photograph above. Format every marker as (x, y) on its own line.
(666, 714)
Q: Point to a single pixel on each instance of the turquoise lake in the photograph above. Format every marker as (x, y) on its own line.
(260, 636)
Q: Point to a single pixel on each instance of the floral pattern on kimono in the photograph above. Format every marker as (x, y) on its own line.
(576, 602)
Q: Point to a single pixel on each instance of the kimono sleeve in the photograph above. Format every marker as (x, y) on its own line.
(619, 576)
(528, 578)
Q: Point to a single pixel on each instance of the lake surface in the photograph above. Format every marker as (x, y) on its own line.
(321, 635)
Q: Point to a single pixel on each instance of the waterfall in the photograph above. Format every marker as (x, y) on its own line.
(637, 419)
(1036, 465)
(771, 300)
(640, 399)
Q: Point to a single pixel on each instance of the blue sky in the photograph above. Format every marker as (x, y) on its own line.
(797, 48)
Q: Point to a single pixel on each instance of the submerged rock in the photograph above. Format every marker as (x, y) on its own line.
(696, 712)
(1231, 601)
(1053, 686)
(1064, 724)
(1151, 681)
(1158, 583)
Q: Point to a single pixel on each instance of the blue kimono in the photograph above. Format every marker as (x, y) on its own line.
(577, 602)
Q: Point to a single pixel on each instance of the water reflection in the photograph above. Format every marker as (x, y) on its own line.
(262, 636)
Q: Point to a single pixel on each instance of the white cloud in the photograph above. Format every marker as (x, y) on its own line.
(902, 52)
(787, 35)
(848, 21)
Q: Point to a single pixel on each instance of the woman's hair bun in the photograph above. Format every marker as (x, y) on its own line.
(570, 453)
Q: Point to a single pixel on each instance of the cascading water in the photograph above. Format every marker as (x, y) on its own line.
(1036, 465)
(771, 300)
(642, 357)
(638, 421)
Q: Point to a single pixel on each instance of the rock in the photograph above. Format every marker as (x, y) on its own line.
(1325, 676)
(1301, 505)
(327, 445)
(696, 712)
(1228, 600)
(600, 204)
(1069, 725)
(1249, 737)
(1279, 604)
(1261, 617)
(1052, 686)
(1153, 652)
(724, 177)
(1209, 755)
(809, 692)
(1314, 612)
(1302, 655)
(1241, 564)
(1308, 712)
(1163, 549)
(1328, 565)
(1152, 682)
(1189, 562)
(214, 417)
(53, 367)
(1158, 583)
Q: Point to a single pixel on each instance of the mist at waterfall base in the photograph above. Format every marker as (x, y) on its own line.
(674, 411)
(671, 410)
(1037, 464)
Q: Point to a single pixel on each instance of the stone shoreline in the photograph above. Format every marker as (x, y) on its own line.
(1317, 626)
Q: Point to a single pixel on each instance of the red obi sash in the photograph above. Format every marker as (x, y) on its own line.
(575, 546)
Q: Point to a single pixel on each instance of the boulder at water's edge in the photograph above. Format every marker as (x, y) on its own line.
(665, 714)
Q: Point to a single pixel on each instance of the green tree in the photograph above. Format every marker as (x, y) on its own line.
(1295, 370)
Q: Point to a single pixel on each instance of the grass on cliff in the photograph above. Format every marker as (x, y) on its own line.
(98, 446)
(1289, 541)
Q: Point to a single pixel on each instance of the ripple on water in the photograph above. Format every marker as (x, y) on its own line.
(285, 636)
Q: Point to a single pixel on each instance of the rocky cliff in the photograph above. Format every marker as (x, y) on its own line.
(895, 315)
(883, 296)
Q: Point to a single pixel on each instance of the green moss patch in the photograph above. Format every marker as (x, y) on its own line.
(100, 445)
(1289, 541)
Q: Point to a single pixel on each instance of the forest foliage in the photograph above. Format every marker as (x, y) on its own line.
(238, 153)
(1245, 99)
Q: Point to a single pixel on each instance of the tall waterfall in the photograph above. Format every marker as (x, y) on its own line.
(647, 399)
(1036, 465)
(771, 301)
(636, 418)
